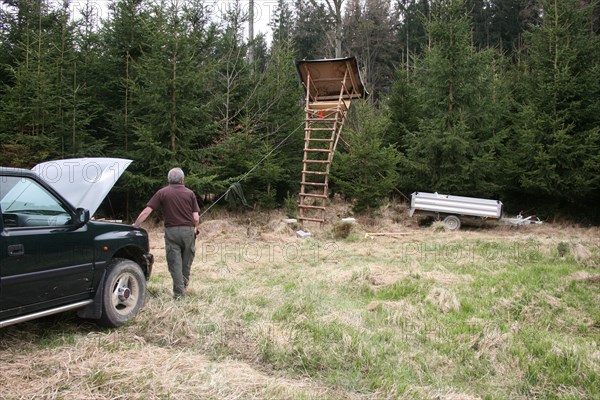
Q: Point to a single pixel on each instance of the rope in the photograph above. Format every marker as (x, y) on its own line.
(253, 168)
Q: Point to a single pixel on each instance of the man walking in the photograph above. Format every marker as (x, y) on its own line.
(180, 210)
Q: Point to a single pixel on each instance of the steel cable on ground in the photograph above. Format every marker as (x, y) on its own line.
(253, 168)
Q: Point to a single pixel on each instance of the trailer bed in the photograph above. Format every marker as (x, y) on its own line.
(444, 205)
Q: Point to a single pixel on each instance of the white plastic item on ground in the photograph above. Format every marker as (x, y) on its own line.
(303, 235)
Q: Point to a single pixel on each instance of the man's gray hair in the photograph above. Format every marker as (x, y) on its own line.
(175, 175)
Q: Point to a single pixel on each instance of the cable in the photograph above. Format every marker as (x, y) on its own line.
(253, 168)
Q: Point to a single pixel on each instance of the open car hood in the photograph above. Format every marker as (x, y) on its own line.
(83, 182)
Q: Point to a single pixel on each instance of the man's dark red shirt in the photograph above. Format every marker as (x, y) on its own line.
(177, 203)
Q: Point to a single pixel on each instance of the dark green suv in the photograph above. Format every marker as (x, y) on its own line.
(55, 258)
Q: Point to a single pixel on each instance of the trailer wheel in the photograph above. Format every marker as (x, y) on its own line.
(452, 222)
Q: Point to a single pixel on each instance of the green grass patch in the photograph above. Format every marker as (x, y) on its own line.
(522, 324)
(410, 287)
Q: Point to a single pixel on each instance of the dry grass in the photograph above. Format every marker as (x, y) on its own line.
(444, 299)
(483, 312)
(99, 366)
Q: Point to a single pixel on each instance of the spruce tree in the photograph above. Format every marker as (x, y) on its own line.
(368, 35)
(270, 114)
(556, 145)
(37, 97)
(282, 23)
(410, 31)
(170, 111)
(123, 40)
(460, 130)
(310, 30)
(366, 171)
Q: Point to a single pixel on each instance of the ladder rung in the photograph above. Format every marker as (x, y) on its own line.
(318, 150)
(321, 119)
(327, 105)
(312, 207)
(320, 196)
(325, 110)
(326, 120)
(318, 129)
(315, 161)
(313, 183)
(319, 140)
(312, 219)
(322, 111)
(315, 173)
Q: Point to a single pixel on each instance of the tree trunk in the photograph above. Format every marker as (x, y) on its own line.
(251, 32)
(126, 116)
(174, 102)
(335, 10)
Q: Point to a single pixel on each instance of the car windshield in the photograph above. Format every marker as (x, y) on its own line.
(25, 195)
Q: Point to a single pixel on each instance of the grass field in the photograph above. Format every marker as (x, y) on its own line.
(484, 313)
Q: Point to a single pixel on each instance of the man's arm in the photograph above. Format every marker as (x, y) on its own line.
(142, 217)
(196, 218)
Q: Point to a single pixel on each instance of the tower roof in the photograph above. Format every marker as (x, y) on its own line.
(326, 77)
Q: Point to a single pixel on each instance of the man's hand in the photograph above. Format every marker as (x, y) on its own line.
(142, 217)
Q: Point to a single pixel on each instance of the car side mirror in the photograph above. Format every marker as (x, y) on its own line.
(82, 216)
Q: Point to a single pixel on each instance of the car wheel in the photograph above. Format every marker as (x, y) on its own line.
(452, 222)
(124, 292)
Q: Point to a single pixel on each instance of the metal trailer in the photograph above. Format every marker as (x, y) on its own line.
(454, 209)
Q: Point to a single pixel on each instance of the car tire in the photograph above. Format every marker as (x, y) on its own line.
(452, 222)
(124, 292)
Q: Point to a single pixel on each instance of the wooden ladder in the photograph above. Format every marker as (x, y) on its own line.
(324, 121)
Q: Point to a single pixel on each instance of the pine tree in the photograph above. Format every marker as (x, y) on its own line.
(410, 31)
(38, 107)
(366, 173)
(282, 23)
(556, 145)
(170, 108)
(269, 115)
(310, 30)
(123, 40)
(368, 30)
(455, 147)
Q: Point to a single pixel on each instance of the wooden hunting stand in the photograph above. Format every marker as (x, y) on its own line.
(331, 85)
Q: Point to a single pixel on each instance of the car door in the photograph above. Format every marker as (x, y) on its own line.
(46, 255)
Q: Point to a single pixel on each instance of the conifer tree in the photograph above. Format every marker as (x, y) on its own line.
(335, 28)
(410, 31)
(366, 172)
(368, 35)
(460, 129)
(269, 115)
(556, 145)
(310, 30)
(282, 23)
(41, 110)
(277, 114)
(171, 106)
(123, 40)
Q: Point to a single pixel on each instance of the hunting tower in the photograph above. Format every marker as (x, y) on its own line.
(330, 85)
